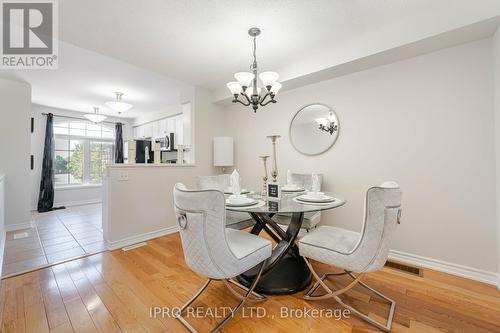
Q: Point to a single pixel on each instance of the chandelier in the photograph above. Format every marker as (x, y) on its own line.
(327, 124)
(247, 89)
(118, 105)
(95, 117)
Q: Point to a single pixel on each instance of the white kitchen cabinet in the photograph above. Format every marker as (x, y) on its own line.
(163, 126)
(140, 132)
(148, 130)
(186, 120)
(179, 130)
(155, 129)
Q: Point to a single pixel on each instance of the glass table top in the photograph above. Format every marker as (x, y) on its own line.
(287, 204)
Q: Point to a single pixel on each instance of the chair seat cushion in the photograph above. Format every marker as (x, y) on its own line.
(330, 245)
(233, 217)
(311, 219)
(249, 249)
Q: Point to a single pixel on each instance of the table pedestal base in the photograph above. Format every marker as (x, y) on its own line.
(289, 276)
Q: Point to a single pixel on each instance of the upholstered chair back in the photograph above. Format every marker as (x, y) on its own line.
(305, 180)
(201, 218)
(218, 182)
(382, 210)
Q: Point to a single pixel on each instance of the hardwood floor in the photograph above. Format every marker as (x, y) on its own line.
(114, 292)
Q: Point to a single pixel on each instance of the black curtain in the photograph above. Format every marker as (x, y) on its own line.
(46, 196)
(118, 143)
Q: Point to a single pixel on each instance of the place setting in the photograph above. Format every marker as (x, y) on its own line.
(315, 196)
(290, 186)
(238, 197)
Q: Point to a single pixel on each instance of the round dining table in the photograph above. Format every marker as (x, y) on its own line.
(285, 271)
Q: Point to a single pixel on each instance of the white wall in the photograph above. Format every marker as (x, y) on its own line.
(2, 219)
(15, 108)
(426, 122)
(496, 71)
(63, 196)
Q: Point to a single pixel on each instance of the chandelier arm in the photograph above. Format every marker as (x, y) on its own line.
(262, 100)
(269, 101)
(236, 100)
(246, 97)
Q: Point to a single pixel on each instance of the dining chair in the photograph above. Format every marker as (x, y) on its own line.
(356, 253)
(214, 251)
(219, 182)
(234, 219)
(311, 219)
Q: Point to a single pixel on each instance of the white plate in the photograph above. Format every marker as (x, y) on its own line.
(292, 189)
(240, 202)
(309, 198)
(243, 191)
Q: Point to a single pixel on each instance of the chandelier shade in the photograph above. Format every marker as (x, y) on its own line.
(118, 105)
(234, 87)
(95, 117)
(244, 78)
(268, 78)
(248, 89)
(275, 88)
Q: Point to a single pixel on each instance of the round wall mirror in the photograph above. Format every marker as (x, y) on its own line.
(314, 129)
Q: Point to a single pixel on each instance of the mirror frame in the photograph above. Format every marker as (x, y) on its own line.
(295, 116)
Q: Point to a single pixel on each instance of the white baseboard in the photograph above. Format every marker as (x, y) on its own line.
(141, 238)
(73, 203)
(18, 226)
(77, 203)
(447, 267)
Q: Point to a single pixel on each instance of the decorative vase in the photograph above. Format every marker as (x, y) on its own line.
(274, 172)
(264, 179)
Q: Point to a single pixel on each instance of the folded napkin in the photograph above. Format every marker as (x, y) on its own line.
(316, 185)
(289, 177)
(235, 183)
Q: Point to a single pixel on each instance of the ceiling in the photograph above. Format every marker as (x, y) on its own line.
(157, 51)
(86, 79)
(204, 42)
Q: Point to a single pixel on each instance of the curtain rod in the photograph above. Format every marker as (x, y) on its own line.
(71, 117)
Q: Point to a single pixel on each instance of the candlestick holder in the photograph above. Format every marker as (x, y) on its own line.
(274, 172)
(264, 179)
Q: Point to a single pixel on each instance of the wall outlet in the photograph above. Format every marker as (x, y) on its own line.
(123, 176)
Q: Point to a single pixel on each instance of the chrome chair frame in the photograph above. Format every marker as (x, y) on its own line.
(329, 293)
(227, 282)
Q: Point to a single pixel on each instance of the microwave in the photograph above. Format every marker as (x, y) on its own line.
(167, 143)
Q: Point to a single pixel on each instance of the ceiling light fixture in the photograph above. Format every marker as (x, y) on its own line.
(95, 117)
(247, 85)
(327, 124)
(118, 105)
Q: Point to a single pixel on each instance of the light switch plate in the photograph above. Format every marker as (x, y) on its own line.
(20, 235)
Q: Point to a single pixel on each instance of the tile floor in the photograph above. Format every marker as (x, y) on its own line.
(56, 236)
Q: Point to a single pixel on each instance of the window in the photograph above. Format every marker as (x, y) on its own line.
(82, 151)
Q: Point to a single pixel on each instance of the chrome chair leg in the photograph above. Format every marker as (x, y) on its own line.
(243, 299)
(256, 296)
(237, 307)
(178, 315)
(335, 295)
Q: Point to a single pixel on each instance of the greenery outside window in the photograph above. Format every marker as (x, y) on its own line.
(82, 151)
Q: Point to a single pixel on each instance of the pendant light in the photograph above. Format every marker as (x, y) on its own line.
(247, 88)
(95, 117)
(118, 105)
